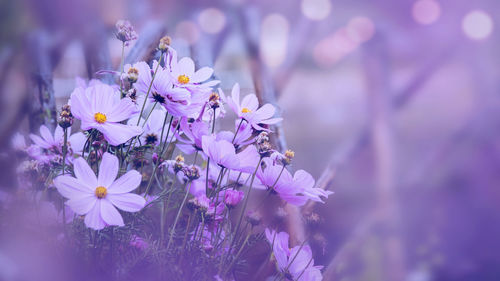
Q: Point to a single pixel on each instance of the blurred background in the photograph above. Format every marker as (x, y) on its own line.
(393, 105)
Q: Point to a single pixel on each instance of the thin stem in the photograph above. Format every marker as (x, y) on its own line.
(122, 65)
(237, 130)
(245, 203)
(149, 114)
(237, 254)
(178, 215)
(149, 89)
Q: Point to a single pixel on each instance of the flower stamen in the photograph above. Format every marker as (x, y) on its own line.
(101, 192)
(245, 110)
(183, 79)
(100, 117)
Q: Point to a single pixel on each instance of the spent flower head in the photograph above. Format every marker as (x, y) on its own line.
(125, 31)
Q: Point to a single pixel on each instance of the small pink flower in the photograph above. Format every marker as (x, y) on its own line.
(233, 197)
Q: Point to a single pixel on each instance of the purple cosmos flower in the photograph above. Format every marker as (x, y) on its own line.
(221, 152)
(175, 99)
(269, 176)
(296, 263)
(100, 107)
(193, 133)
(97, 197)
(184, 75)
(249, 109)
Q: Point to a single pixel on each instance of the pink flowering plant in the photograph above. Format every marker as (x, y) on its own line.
(145, 180)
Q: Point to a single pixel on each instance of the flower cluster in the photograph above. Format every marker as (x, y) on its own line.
(121, 165)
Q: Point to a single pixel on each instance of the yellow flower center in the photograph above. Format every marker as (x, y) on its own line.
(101, 192)
(245, 110)
(100, 118)
(183, 79)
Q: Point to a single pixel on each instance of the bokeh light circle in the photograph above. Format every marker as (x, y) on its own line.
(188, 31)
(477, 25)
(360, 29)
(212, 20)
(426, 11)
(274, 39)
(316, 9)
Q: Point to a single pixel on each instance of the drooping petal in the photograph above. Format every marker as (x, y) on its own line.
(128, 202)
(93, 218)
(82, 205)
(116, 133)
(110, 214)
(126, 183)
(71, 187)
(303, 179)
(84, 173)
(108, 170)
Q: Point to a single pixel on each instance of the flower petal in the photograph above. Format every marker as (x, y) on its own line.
(46, 135)
(39, 141)
(202, 74)
(116, 133)
(70, 187)
(110, 214)
(93, 218)
(121, 111)
(82, 205)
(84, 173)
(126, 183)
(128, 202)
(108, 170)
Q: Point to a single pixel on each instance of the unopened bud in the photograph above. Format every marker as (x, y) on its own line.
(165, 42)
(263, 144)
(132, 74)
(191, 172)
(214, 100)
(65, 117)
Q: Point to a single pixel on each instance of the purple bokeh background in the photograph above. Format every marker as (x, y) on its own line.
(398, 98)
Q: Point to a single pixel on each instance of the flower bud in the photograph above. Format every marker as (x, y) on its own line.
(125, 31)
(191, 172)
(233, 197)
(165, 42)
(214, 100)
(179, 163)
(65, 117)
(132, 74)
(263, 144)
